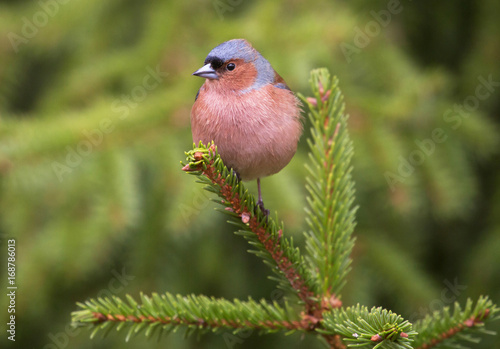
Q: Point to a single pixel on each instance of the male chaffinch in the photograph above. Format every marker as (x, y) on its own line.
(247, 109)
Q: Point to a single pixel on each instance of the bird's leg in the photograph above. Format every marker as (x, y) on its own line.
(260, 203)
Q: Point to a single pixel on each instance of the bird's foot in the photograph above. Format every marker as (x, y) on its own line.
(237, 174)
(265, 211)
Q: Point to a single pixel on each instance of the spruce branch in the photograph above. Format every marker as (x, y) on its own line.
(375, 328)
(331, 211)
(262, 232)
(444, 329)
(197, 314)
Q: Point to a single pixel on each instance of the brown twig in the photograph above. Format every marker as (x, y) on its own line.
(203, 323)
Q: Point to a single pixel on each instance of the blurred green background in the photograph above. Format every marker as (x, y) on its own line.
(95, 98)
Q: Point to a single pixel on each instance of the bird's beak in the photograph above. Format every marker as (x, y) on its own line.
(206, 72)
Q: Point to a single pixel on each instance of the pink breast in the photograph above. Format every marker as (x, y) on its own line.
(256, 133)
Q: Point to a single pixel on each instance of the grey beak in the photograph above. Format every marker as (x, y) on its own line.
(206, 72)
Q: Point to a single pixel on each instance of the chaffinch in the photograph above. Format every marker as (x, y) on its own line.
(247, 109)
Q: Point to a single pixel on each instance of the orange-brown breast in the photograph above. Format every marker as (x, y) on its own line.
(256, 132)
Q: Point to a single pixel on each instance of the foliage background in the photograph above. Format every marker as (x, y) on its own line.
(125, 208)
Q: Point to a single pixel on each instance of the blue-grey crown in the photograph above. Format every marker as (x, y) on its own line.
(241, 49)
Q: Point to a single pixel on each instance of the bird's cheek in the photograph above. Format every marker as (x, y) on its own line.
(243, 78)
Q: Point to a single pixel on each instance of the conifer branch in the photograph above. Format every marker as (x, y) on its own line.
(377, 328)
(331, 212)
(194, 313)
(442, 327)
(261, 231)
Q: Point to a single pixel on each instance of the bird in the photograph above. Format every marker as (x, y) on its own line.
(248, 111)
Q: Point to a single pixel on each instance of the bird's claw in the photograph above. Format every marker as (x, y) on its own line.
(265, 211)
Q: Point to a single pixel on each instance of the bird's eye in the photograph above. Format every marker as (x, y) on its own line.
(231, 66)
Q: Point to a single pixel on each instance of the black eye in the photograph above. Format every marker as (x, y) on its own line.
(231, 66)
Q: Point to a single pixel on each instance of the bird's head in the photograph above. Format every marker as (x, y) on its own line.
(237, 66)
